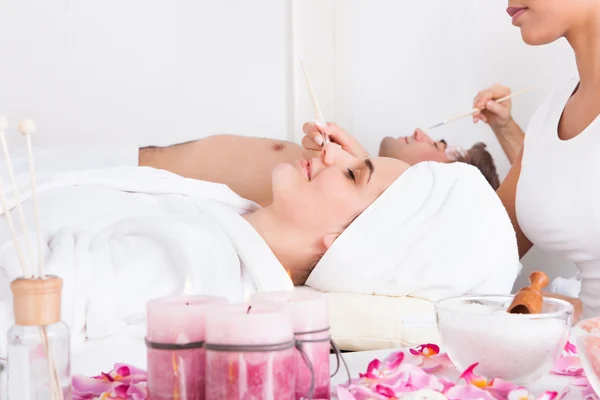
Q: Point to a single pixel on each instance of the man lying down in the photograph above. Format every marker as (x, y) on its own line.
(119, 234)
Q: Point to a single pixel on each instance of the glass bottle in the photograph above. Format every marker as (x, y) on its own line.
(39, 366)
(2, 378)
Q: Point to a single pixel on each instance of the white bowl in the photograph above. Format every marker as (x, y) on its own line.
(520, 348)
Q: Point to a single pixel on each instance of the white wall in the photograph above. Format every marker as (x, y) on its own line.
(401, 65)
(146, 71)
(165, 71)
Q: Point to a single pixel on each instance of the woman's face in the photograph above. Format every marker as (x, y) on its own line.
(328, 192)
(414, 149)
(544, 21)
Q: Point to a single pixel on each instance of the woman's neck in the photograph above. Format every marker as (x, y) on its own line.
(585, 41)
(293, 248)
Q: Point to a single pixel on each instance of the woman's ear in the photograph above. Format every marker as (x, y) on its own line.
(328, 240)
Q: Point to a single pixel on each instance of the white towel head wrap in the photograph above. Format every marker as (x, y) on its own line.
(439, 230)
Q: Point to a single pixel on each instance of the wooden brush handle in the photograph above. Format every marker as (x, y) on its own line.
(538, 280)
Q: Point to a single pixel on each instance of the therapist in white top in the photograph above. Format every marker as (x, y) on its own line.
(552, 192)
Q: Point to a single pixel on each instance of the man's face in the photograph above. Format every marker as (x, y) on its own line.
(414, 149)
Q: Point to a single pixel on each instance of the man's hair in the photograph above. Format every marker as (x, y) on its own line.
(479, 157)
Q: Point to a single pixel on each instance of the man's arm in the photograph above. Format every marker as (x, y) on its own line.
(243, 163)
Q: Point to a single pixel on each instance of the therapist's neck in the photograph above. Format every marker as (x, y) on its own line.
(294, 248)
(585, 41)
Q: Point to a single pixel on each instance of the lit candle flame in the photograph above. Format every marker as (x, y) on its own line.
(187, 288)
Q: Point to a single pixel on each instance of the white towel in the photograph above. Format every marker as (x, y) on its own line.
(439, 230)
(122, 235)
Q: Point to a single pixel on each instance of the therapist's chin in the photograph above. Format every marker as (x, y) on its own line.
(539, 37)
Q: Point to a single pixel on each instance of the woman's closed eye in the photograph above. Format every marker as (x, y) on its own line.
(350, 174)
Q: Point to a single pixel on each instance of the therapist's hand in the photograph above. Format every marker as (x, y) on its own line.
(496, 115)
(313, 140)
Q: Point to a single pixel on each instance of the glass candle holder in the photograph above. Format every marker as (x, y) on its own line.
(311, 330)
(39, 366)
(175, 339)
(250, 353)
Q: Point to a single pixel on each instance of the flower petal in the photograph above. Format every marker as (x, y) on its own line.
(424, 394)
(372, 370)
(519, 394)
(138, 392)
(130, 370)
(468, 392)
(385, 391)
(394, 360)
(502, 387)
(344, 394)
(430, 365)
(569, 366)
(588, 393)
(444, 360)
(427, 350)
(475, 380)
(570, 348)
(84, 386)
(583, 381)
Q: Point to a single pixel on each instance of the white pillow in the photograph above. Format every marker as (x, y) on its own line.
(361, 322)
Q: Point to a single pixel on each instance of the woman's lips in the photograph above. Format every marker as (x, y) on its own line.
(515, 12)
(305, 165)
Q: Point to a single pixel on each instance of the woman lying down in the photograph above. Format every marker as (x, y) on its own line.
(119, 234)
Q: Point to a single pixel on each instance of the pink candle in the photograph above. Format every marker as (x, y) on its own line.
(250, 352)
(176, 360)
(311, 328)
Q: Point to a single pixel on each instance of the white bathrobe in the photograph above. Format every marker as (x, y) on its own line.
(119, 235)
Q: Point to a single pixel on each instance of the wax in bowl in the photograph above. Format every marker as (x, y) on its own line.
(587, 339)
(520, 348)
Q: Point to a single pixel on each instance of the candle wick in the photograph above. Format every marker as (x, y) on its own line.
(248, 310)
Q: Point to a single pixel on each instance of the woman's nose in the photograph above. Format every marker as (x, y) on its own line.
(331, 154)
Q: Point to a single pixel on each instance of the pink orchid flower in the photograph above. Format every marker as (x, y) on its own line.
(123, 382)
(429, 357)
(496, 386)
(404, 372)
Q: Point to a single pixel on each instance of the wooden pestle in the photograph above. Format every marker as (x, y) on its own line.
(529, 300)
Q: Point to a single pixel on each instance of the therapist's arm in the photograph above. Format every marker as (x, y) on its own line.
(508, 194)
(577, 304)
(498, 117)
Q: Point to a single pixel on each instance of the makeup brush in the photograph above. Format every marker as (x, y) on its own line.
(473, 111)
(319, 117)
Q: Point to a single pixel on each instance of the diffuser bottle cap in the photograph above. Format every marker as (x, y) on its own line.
(37, 301)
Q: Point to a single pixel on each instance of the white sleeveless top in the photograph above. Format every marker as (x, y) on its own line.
(558, 194)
